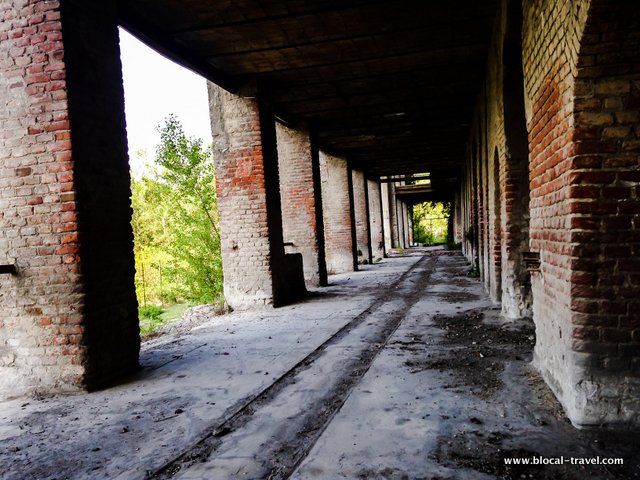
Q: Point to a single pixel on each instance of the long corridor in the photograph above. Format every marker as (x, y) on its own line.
(403, 370)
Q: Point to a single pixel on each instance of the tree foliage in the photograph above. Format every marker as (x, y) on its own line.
(430, 222)
(175, 223)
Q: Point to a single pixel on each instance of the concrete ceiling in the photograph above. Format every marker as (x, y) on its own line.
(389, 83)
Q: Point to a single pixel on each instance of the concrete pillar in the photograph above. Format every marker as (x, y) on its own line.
(386, 215)
(375, 220)
(400, 223)
(336, 210)
(406, 225)
(586, 287)
(393, 216)
(256, 271)
(301, 202)
(68, 317)
(360, 208)
(494, 227)
(410, 218)
(458, 217)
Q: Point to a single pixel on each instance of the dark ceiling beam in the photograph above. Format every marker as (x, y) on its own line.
(467, 50)
(382, 108)
(417, 86)
(390, 80)
(336, 6)
(423, 34)
(419, 120)
(163, 44)
(317, 63)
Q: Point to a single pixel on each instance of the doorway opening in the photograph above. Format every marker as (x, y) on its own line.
(175, 220)
(431, 223)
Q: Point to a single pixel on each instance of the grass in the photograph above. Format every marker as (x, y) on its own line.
(153, 317)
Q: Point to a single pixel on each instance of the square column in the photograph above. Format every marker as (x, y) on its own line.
(302, 224)
(257, 273)
(68, 316)
(393, 215)
(360, 214)
(375, 220)
(386, 215)
(336, 209)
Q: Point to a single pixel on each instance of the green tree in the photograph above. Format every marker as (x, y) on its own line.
(186, 167)
(430, 222)
(175, 223)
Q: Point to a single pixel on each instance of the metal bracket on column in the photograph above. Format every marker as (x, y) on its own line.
(531, 261)
(8, 269)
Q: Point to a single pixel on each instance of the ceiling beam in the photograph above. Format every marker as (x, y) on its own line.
(164, 45)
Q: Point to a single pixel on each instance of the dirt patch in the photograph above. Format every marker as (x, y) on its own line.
(458, 297)
(490, 358)
(460, 282)
(469, 451)
(192, 318)
(478, 351)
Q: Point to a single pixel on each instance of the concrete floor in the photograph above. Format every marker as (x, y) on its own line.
(404, 370)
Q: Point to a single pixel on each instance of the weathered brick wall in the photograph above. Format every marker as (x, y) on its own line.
(399, 223)
(551, 34)
(243, 199)
(405, 225)
(478, 162)
(257, 272)
(567, 180)
(375, 220)
(68, 320)
(298, 193)
(604, 191)
(40, 310)
(457, 212)
(360, 214)
(507, 142)
(103, 186)
(386, 215)
(466, 211)
(581, 116)
(495, 226)
(393, 215)
(337, 214)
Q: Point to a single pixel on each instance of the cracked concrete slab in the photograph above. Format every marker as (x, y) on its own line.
(404, 370)
(188, 386)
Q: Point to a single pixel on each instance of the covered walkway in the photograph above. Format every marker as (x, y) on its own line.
(401, 370)
(521, 115)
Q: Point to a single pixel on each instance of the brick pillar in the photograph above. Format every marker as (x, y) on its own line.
(400, 221)
(495, 227)
(337, 213)
(301, 201)
(256, 271)
(358, 183)
(375, 220)
(68, 318)
(601, 236)
(406, 225)
(393, 215)
(386, 215)
(410, 223)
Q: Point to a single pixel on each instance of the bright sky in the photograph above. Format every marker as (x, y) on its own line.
(154, 87)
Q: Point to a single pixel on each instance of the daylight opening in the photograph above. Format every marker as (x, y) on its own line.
(175, 220)
(431, 223)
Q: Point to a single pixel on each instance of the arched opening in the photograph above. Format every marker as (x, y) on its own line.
(517, 299)
(496, 253)
(175, 221)
(431, 223)
(604, 188)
